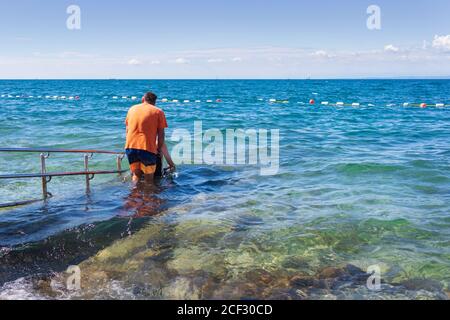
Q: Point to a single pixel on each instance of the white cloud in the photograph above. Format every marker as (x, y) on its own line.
(236, 59)
(391, 48)
(134, 62)
(215, 60)
(155, 62)
(442, 42)
(181, 61)
(322, 54)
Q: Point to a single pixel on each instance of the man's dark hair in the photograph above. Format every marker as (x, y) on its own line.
(150, 97)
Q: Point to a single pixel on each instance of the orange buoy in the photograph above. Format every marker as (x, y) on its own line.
(312, 101)
(423, 105)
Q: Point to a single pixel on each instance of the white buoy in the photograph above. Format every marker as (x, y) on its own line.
(406, 104)
(339, 103)
(260, 99)
(3, 95)
(355, 104)
(71, 98)
(175, 101)
(371, 105)
(164, 100)
(39, 97)
(209, 101)
(124, 97)
(273, 100)
(390, 105)
(133, 98)
(186, 101)
(325, 103)
(440, 105)
(115, 98)
(198, 101)
(17, 96)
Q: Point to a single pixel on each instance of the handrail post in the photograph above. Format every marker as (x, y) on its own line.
(44, 179)
(119, 164)
(86, 168)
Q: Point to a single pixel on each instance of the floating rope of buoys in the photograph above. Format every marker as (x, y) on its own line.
(311, 102)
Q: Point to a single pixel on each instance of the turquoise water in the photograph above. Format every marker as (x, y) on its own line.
(357, 186)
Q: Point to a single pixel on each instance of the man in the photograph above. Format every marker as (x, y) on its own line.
(145, 138)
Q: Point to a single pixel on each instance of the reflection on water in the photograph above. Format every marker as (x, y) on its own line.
(143, 201)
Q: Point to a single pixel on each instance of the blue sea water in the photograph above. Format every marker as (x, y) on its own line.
(357, 187)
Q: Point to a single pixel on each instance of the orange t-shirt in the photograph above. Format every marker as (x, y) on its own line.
(143, 122)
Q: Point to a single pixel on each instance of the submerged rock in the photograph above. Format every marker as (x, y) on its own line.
(191, 259)
(422, 284)
(331, 273)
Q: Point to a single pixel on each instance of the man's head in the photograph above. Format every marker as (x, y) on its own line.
(150, 97)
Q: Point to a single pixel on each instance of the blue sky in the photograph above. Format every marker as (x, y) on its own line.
(224, 39)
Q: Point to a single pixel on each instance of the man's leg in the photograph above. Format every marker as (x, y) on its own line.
(136, 172)
(149, 173)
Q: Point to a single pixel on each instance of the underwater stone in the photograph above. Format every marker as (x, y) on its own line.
(330, 273)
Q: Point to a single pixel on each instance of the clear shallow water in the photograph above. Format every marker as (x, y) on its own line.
(356, 187)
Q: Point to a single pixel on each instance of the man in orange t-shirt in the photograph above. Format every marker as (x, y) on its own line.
(145, 135)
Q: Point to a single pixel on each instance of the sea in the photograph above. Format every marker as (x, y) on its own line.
(358, 208)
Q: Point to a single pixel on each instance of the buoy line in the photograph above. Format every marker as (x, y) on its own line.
(311, 102)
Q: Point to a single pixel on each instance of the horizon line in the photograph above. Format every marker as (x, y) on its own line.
(232, 79)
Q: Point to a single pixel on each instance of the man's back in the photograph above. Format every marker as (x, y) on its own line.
(143, 122)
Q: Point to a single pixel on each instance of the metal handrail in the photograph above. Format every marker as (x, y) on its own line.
(46, 177)
(50, 150)
(58, 174)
